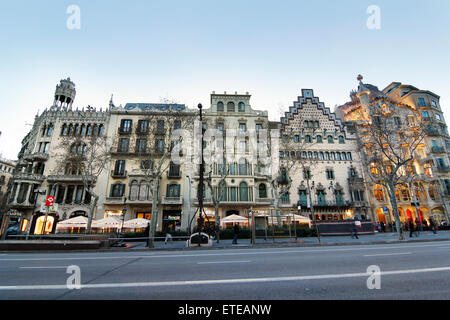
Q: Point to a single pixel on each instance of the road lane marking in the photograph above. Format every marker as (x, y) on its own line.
(55, 267)
(252, 252)
(213, 262)
(220, 281)
(387, 254)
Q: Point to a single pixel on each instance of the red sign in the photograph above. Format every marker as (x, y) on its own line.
(50, 201)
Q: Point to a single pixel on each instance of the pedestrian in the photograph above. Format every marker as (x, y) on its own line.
(168, 238)
(354, 231)
(236, 233)
(411, 228)
(383, 227)
(147, 231)
(432, 225)
(390, 226)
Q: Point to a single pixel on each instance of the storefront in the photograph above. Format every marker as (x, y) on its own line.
(171, 220)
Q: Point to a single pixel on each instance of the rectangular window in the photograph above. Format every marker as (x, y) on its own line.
(142, 126)
(123, 145)
(177, 124)
(438, 117)
(119, 169)
(125, 125)
(141, 145)
(422, 102)
(160, 145)
(242, 127)
(160, 127)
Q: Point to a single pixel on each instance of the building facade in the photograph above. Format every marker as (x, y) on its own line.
(322, 163)
(427, 193)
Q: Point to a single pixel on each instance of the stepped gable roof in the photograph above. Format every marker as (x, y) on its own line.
(298, 105)
(155, 106)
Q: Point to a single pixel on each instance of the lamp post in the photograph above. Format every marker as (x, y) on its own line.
(189, 205)
(200, 194)
(124, 211)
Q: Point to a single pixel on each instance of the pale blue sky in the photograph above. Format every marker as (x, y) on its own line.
(142, 51)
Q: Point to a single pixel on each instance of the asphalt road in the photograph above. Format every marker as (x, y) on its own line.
(408, 271)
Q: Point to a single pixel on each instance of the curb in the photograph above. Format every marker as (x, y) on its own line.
(256, 246)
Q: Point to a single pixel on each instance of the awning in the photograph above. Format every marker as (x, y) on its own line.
(234, 218)
(136, 223)
(77, 222)
(107, 223)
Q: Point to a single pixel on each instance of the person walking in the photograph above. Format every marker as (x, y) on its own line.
(411, 228)
(382, 226)
(236, 233)
(354, 231)
(432, 225)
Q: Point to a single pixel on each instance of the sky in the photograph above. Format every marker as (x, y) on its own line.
(147, 51)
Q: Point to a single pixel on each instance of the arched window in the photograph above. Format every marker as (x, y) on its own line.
(344, 157)
(378, 192)
(134, 190)
(309, 155)
(327, 156)
(117, 190)
(330, 139)
(101, 130)
(349, 156)
(70, 129)
(332, 156)
(308, 139)
(241, 107)
(144, 191)
(338, 156)
(341, 139)
(220, 106)
(83, 130)
(262, 191)
(89, 130)
(296, 138)
(321, 155)
(64, 130)
(315, 155)
(231, 107)
(243, 191)
(319, 139)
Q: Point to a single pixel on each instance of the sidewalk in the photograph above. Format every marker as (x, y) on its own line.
(377, 238)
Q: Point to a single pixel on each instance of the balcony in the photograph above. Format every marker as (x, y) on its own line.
(432, 132)
(29, 177)
(331, 203)
(437, 149)
(124, 130)
(115, 200)
(443, 168)
(172, 200)
(263, 201)
(69, 178)
(119, 175)
(24, 205)
(37, 156)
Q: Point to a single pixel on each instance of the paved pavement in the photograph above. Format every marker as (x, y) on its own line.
(327, 240)
(408, 270)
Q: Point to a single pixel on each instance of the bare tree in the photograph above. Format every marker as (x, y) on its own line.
(159, 148)
(389, 143)
(86, 157)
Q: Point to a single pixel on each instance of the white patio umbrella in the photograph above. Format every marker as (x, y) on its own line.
(77, 222)
(234, 218)
(107, 223)
(136, 223)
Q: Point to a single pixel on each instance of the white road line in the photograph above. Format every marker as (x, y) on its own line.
(213, 262)
(241, 252)
(56, 267)
(221, 281)
(387, 254)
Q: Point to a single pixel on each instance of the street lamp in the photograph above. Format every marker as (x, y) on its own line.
(124, 211)
(189, 205)
(200, 194)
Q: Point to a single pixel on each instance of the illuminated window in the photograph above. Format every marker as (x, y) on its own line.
(378, 191)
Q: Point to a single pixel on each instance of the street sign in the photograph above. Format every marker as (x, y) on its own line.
(49, 201)
(52, 209)
(385, 210)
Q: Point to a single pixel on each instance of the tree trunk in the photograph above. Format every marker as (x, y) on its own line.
(91, 213)
(398, 223)
(154, 217)
(217, 221)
